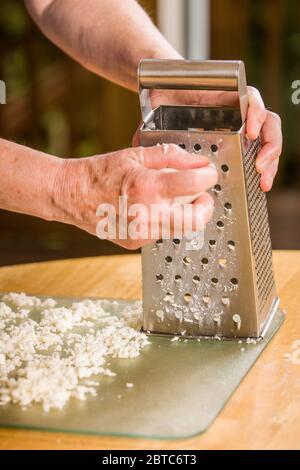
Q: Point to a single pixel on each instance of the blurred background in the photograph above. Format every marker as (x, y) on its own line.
(54, 105)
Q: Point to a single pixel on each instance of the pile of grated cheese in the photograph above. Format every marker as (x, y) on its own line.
(49, 353)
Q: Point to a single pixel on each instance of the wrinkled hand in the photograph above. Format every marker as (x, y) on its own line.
(259, 122)
(138, 173)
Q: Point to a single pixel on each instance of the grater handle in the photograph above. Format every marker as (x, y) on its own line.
(226, 75)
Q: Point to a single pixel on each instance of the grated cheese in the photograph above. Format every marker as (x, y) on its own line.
(49, 354)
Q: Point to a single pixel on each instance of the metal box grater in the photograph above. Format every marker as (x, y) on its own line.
(226, 288)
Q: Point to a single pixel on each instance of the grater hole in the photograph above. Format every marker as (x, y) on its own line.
(187, 260)
(169, 297)
(217, 188)
(228, 206)
(159, 243)
(177, 278)
(160, 314)
(159, 277)
(196, 279)
(212, 242)
(225, 300)
(197, 147)
(234, 281)
(237, 320)
(187, 297)
(168, 259)
(222, 263)
(206, 299)
(204, 261)
(225, 168)
(231, 244)
(176, 241)
(214, 148)
(214, 281)
(183, 146)
(220, 224)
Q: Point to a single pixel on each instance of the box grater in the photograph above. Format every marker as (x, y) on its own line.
(226, 288)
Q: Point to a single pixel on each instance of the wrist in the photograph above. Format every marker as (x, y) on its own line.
(62, 192)
(72, 192)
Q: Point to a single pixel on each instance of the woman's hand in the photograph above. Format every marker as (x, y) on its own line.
(259, 122)
(140, 175)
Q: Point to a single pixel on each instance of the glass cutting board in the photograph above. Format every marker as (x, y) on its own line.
(179, 389)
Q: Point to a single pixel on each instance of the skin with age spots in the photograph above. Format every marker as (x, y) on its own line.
(139, 175)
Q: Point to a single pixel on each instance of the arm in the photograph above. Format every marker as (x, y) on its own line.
(71, 190)
(27, 179)
(108, 37)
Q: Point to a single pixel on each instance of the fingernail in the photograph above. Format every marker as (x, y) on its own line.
(206, 169)
(268, 183)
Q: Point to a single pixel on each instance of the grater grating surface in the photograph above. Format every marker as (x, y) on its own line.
(226, 288)
(260, 231)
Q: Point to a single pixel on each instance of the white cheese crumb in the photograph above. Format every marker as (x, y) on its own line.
(251, 341)
(48, 353)
(21, 300)
(175, 338)
(129, 385)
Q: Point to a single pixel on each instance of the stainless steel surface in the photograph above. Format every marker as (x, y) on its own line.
(227, 287)
(179, 389)
(192, 75)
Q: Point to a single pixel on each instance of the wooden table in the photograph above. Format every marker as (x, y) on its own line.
(263, 413)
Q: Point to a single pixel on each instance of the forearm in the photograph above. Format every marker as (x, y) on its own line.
(107, 37)
(27, 179)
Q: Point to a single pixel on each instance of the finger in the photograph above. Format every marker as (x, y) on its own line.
(186, 182)
(194, 219)
(256, 115)
(178, 221)
(208, 203)
(218, 98)
(171, 156)
(272, 142)
(136, 140)
(267, 178)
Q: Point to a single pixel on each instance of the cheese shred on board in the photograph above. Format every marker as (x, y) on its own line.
(49, 353)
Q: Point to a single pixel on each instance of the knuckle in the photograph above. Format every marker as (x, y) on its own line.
(276, 153)
(275, 117)
(252, 89)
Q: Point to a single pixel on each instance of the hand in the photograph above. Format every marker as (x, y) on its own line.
(138, 173)
(259, 122)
